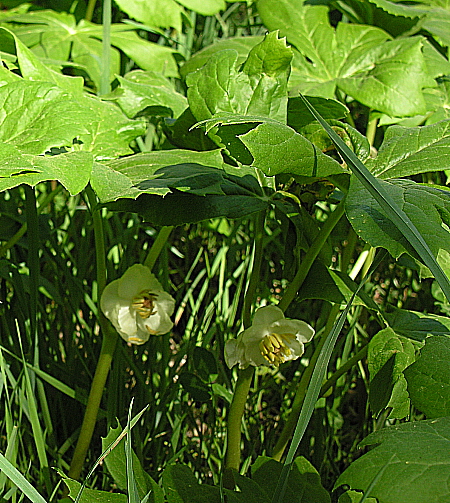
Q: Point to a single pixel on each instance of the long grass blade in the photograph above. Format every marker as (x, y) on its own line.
(398, 217)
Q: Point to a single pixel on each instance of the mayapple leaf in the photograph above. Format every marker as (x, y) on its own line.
(427, 207)
(93, 495)
(109, 131)
(37, 116)
(71, 169)
(388, 356)
(407, 151)
(204, 7)
(416, 325)
(360, 60)
(412, 461)
(277, 148)
(159, 13)
(241, 45)
(259, 88)
(170, 187)
(304, 484)
(429, 378)
(139, 90)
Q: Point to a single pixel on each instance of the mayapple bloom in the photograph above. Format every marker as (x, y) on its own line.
(272, 339)
(137, 305)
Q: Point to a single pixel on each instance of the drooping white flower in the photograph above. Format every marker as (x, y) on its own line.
(137, 305)
(272, 339)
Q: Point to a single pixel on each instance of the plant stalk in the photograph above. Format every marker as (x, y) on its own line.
(311, 255)
(109, 342)
(233, 452)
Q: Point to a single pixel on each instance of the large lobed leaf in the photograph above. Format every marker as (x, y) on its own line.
(386, 75)
(412, 461)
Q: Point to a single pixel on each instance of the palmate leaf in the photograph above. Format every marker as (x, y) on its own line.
(428, 208)
(414, 459)
(139, 90)
(386, 75)
(259, 88)
(58, 38)
(173, 187)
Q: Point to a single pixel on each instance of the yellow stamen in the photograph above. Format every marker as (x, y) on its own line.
(143, 303)
(274, 347)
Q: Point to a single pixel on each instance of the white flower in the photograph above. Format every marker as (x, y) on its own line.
(137, 305)
(272, 339)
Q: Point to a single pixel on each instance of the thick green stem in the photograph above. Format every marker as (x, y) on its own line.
(109, 342)
(157, 246)
(371, 130)
(311, 255)
(233, 453)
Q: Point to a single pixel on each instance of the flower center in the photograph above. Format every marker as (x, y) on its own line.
(144, 303)
(274, 347)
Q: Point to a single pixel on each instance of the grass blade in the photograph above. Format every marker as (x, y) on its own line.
(389, 206)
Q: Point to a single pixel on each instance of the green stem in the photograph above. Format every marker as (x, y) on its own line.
(371, 130)
(233, 453)
(105, 86)
(109, 342)
(289, 427)
(311, 255)
(157, 246)
(90, 10)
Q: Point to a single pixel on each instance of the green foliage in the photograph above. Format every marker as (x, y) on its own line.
(277, 199)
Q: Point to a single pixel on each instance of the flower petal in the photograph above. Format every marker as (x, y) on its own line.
(267, 315)
(301, 329)
(137, 278)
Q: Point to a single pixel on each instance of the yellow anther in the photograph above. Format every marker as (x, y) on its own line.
(274, 347)
(143, 303)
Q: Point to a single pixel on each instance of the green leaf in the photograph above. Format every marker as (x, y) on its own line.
(388, 356)
(116, 463)
(38, 116)
(241, 45)
(184, 178)
(109, 131)
(409, 151)
(354, 497)
(92, 495)
(260, 88)
(304, 481)
(35, 169)
(277, 148)
(299, 115)
(205, 363)
(360, 60)
(160, 13)
(416, 325)
(139, 90)
(415, 458)
(427, 207)
(32, 68)
(204, 7)
(395, 214)
(429, 378)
